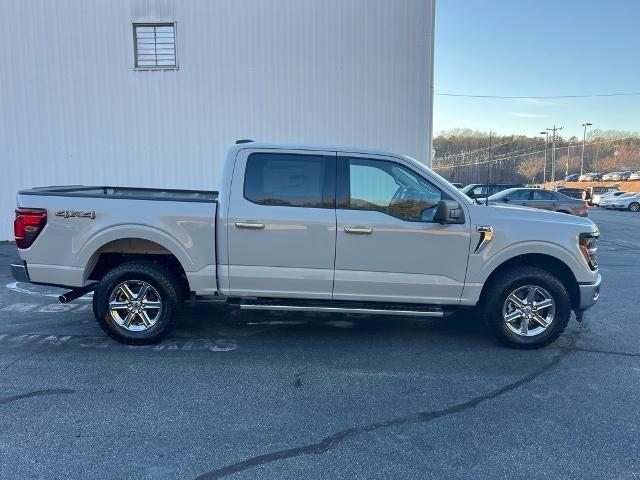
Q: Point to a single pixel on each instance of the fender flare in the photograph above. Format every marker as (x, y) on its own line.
(132, 231)
(548, 249)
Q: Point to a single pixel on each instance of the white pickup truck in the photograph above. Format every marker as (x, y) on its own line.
(301, 228)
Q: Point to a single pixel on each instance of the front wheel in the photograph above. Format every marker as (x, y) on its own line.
(526, 307)
(135, 302)
(634, 207)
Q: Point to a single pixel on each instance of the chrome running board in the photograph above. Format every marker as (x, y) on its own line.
(330, 307)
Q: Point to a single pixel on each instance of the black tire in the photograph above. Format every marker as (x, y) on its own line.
(634, 207)
(160, 278)
(501, 287)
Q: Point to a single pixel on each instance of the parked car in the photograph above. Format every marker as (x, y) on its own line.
(606, 199)
(590, 177)
(579, 193)
(594, 193)
(635, 176)
(484, 190)
(616, 176)
(572, 178)
(308, 229)
(630, 201)
(545, 199)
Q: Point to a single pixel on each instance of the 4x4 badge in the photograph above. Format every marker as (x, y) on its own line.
(76, 214)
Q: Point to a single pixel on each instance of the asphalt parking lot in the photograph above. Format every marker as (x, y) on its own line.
(290, 396)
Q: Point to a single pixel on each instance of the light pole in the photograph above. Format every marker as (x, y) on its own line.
(544, 169)
(584, 137)
(553, 152)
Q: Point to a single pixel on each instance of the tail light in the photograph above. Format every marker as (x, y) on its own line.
(589, 248)
(28, 224)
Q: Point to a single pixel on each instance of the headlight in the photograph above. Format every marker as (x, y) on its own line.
(589, 248)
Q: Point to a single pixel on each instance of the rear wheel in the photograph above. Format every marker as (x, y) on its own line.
(136, 301)
(634, 207)
(526, 307)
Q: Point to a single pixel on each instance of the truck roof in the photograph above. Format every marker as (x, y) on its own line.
(330, 148)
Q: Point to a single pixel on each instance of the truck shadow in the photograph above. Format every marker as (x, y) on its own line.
(463, 328)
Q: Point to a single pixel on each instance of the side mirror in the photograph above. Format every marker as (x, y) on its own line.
(505, 199)
(448, 211)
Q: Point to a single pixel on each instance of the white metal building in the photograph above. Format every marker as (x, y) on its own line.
(152, 92)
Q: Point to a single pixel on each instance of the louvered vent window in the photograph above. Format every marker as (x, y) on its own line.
(155, 45)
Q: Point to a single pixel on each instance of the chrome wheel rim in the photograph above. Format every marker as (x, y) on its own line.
(135, 305)
(528, 311)
(634, 207)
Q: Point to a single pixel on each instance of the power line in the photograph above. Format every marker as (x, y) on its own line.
(625, 94)
(496, 157)
(467, 152)
(509, 156)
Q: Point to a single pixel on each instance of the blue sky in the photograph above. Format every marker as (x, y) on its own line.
(537, 48)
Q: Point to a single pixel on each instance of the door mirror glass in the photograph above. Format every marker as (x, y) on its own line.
(448, 211)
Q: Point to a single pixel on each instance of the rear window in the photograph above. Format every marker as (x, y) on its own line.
(285, 179)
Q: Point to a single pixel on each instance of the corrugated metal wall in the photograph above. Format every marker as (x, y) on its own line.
(74, 111)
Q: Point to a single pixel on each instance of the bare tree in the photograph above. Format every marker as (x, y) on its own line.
(531, 168)
(608, 164)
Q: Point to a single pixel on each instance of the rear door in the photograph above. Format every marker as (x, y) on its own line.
(282, 224)
(544, 199)
(388, 248)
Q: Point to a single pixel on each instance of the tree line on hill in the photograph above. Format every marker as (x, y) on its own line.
(469, 156)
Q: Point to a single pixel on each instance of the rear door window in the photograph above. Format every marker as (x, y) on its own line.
(293, 180)
(543, 195)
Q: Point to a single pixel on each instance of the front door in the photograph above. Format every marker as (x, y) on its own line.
(282, 224)
(519, 197)
(387, 246)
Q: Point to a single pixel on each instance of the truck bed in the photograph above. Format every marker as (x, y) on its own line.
(131, 193)
(83, 222)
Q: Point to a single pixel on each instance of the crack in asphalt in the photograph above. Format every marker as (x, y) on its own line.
(36, 393)
(606, 352)
(332, 441)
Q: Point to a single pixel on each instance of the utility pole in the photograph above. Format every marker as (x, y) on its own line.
(566, 172)
(489, 162)
(584, 137)
(544, 169)
(553, 152)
